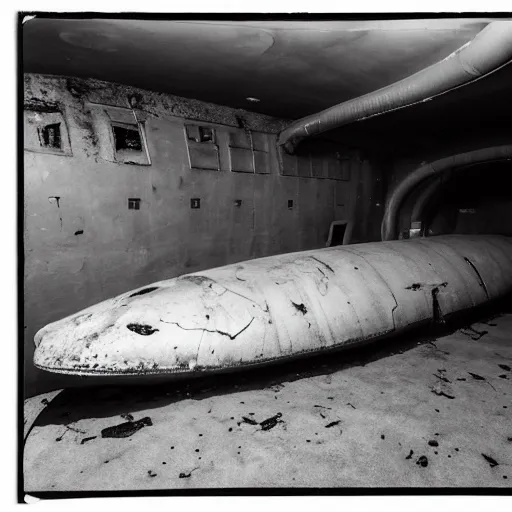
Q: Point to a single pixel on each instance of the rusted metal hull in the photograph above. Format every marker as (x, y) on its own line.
(278, 307)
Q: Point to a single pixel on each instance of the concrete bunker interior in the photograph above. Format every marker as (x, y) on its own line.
(216, 155)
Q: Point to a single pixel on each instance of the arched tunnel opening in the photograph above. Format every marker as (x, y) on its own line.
(468, 200)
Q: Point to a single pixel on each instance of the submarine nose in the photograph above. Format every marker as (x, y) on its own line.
(181, 325)
(66, 344)
(155, 329)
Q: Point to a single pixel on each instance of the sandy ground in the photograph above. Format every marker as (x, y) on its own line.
(407, 412)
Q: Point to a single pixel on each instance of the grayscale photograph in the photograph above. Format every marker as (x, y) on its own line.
(264, 254)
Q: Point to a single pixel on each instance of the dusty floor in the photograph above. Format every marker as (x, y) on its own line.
(408, 412)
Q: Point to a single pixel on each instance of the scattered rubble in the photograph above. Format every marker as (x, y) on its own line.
(126, 429)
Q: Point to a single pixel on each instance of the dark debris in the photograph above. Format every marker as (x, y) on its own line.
(422, 461)
(126, 429)
(271, 422)
(300, 307)
(142, 329)
(249, 420)
(442, 389)
(492, 462)
(85, 439)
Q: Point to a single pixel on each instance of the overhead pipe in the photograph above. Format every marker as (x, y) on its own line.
(490, 50)
(389, 227)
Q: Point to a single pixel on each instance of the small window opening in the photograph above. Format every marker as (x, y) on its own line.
(49, 136)
(200, 133)
(290, 204)
(133, 203)
(127, 138)
(238, 203)
(205, 134)
(195, 203)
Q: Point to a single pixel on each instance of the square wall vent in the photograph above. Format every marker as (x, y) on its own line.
(133, 203)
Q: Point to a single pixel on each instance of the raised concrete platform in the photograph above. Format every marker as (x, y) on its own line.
(419, 412)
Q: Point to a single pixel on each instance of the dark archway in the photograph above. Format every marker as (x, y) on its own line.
(389, 227)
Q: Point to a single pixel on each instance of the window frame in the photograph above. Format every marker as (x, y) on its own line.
(143, 153)
(32, 131)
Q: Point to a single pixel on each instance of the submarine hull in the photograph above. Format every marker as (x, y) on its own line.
(276, 308)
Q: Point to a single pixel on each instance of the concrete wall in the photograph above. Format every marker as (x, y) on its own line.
(82, 243)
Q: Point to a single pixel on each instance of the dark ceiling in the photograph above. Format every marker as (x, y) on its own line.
(477, 115)
(294, 68)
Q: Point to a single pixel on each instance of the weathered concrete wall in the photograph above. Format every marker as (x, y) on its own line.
(83, 244)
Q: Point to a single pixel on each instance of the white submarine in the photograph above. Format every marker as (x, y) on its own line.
(279, 307)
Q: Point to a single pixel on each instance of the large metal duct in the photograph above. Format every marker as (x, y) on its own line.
(389, 229)
(490, 50)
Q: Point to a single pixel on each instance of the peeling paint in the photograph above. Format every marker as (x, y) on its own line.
(142, 329)
(300, 307)
(40, 105)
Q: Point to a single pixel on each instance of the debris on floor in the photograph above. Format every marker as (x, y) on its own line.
(126, 429)
(427, 417)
